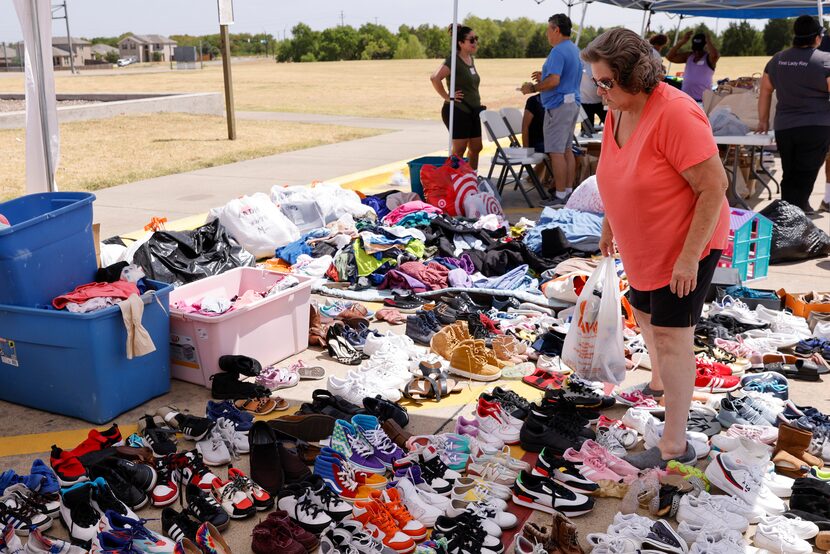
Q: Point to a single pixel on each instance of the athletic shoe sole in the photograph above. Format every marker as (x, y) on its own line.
(474, 376)
(527, 502)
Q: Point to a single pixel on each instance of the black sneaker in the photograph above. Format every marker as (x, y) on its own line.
(406, 303)
(476, 327)
(418, 329)
(141, 476)
(541, 493)
(326, 403)
(664, 539)
(103, 499)
(227, 386)
(204, 507)
(177, 525)
(580, 393)
(516, 405)
(123, 490)
(454, 529)
(240, 364)
(536, 435)
(156, 438)
(563, 472)
(193, 428)
(572, 419)
(445, 314)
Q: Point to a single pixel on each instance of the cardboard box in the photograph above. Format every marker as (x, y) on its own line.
(799, 303)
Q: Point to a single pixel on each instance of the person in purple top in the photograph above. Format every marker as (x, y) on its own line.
(700, 63)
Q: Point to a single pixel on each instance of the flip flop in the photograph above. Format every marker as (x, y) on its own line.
(543, 380)
(801, 370)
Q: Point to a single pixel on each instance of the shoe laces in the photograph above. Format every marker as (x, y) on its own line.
(398, 511)
(216, 440)
(359, 445)
(607, 439)
(348, 477)
(493, 471)
(383, 520)
(231, 488)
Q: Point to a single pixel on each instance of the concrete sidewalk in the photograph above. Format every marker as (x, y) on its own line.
(128, 207)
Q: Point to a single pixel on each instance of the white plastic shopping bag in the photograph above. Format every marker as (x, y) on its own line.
(257, 223)
(594, 344)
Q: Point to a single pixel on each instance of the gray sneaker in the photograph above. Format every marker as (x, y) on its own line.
(654, 458)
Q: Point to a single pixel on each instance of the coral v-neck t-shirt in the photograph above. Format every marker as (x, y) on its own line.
(647, 201)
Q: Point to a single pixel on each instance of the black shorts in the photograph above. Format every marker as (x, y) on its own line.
(666, 309)
(465, 125)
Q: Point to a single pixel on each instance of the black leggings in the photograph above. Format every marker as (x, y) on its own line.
(595, 110)
(803, 151)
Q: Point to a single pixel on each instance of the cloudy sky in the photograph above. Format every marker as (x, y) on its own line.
(90, 18)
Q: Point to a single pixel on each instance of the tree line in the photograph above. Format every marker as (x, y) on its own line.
(498, 38)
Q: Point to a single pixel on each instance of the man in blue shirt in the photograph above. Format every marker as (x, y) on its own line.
(558, 83)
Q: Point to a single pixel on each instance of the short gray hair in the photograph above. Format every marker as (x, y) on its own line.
(630, 58)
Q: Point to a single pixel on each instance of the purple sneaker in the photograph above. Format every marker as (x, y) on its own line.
(413, 473)
(346, 440)
(385, 450)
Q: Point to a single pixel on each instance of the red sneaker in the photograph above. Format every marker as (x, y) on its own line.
(391, 500)
(97, 440)
(67, 467)
(709, 380)
(717, 368)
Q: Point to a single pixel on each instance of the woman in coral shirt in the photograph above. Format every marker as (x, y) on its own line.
(663, 187)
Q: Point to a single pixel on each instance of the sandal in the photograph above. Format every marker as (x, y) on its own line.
(384, 409)
(263, 405)
(800, 370)
(433, 385)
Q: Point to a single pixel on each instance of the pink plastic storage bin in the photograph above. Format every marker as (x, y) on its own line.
(269, 331)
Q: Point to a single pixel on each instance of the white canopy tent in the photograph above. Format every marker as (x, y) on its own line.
(42, 138)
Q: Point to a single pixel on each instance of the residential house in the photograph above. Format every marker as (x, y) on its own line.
(81, 50)
(60, 58)
(143, 47)
(8, 55)
(100, 51)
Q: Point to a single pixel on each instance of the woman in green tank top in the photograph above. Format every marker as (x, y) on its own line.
(466, 135)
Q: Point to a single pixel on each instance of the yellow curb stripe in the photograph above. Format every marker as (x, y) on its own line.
(42, 442)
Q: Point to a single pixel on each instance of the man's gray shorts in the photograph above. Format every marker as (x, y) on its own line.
(559, 127)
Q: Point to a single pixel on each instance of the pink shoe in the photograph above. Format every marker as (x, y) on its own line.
(574, 456)
(275, 378)
(596, 470)
(468, 431)
(637, 399)
(464, 422)
(757, 433)
(590, 449)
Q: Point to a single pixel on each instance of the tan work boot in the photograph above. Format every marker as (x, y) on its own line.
(467, 361)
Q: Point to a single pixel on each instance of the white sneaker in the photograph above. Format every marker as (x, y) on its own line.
(213, 449)
(553, 364)
(234, 440)
(736, 310)
(417, 504)
(738, 478)
(486, 454)
(390, 342)
(654, 432)
(691, 531)
(471, 490)
(41, 544)
(780, 540)
(500, 428)
(780, 485)
(720, 542)
(613, 544)
(699, 511)
(799, 527)
(493, 472)
(752, 513)
(769, 340)
(608, 440)
(783, 322)
(637, 419)
(822, 330)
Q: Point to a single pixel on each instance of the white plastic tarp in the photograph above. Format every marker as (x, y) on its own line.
(42, 133)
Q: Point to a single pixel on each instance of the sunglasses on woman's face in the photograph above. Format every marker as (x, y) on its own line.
(604, 84)
(472, 40)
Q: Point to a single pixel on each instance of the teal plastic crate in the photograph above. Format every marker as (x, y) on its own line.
(415, 171)
(750, 240)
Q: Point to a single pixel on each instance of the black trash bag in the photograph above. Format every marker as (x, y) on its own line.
(181, 257)
(794, 235)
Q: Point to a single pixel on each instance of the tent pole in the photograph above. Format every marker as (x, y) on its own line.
(676, 38)
(643, 28)
(38, 69)
(454, 51)
(581, 22)
(820, 12)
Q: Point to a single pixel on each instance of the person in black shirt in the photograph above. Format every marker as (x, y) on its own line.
(533, 134)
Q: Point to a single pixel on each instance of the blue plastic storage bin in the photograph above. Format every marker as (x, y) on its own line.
(415, 171)
(48, 250)
(76, 364)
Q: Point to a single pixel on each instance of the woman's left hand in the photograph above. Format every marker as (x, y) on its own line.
(683, 277)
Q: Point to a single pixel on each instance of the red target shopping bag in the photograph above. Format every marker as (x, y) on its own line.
(447, 186)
